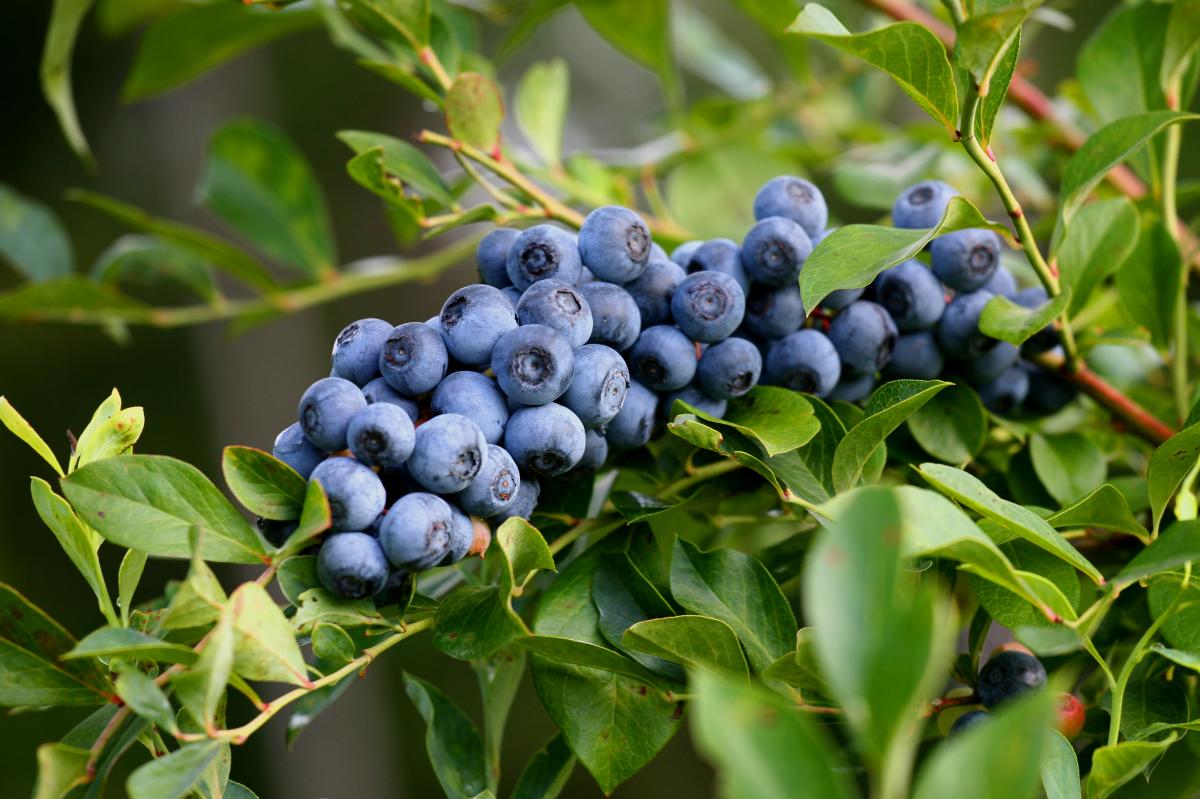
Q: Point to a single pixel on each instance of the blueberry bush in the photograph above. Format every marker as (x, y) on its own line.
(891, 495)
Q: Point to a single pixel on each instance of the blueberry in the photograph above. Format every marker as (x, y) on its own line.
(614, 243)
(1002, 282)
(911, 295)
(774, 251)
(682, 254)
(991, 364)
(917, 356)
(326, 409)
(414, 359)
(1007, 675)
(398, 590)
(378, 391)
(966, 259)
(512, 294)
(652, 291)
(356, 350)
(837, 300)
(476, 397)
(462, 535)
(708, 306)
(694, 396)
(1045, 339)
(1005, 394)
(542, 252)
(416, 531)
(491, 256)
(1048, 393)
(598, 388)
(853, 387)
(527, 499)
(794, 198)
(381, 435)
(922, 205)
(616, 320)
(595, 451)
(472, 319)
(803, 361)
(633, 426)
(546, 440)
(958, 333)
(352, 566)
(774, 312)
(864, 336)
(494, 489)
(729, 368)
(556, 305)
(663, 358)
(356, 496)
(972, 718)
(450, 450)
(585, 276)
(294, 449)
(533, 364)
(720, 255)
(276, 532)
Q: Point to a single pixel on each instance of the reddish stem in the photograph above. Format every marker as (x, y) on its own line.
(1139, 420)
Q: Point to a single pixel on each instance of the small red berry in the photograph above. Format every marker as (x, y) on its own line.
(1069, 715)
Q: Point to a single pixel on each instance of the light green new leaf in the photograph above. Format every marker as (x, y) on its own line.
(1060, 768)
(908, 52)
(1169, 464)
(1006, 320)
(60, 769)
(474, 111)
(697, 642)
(108, 642)
(1106, 508)
(140, 693)
(128, 576)
(198, 601)
(55, 72)
(201, 688)
(265, 485)
(541, 107)
(952, 426)
(332, 643)
(1148, 282)
(20, 428)
(403, 161)
(451, 740)
(1096, 244)
(315, 518)
(889, 406)
(112, 431)
(1069, 465)
(799, 668)
(984, 40)
(777, 419)
(525, 550)
(32, 239)
(994, 100)
(1181, 41)
(1117, 764)
(264, 645)
(79, 542)
(176, 775)
(1119, 65)
(1189, 660)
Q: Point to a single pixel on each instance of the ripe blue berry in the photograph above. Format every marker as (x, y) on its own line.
(1002, 283)
(692, 395)
(663, 358)
(472, 319)
(794, 198)
(614, 243)
(837, 300)
(293, 448)
(720, 255)
(414, 359)
(729, 368)
(356, 496)
(774, 251)
(356, 350)
(708, 306)
(527, 499)
(774, 312)
(682, 254)
(616, 320)
(922, 205)
(917, 356)
(450, 450)
(803, 361)
(491, 256)
(653, 289)
(633, 426)
(864, 336)
(326, 409)
(991, 364)
(911, 294)
(476, 397)
(352, 565)
(598, 389)
(398, 590)
(966, 259)
(1006, 393)
(1007, 675)
(559, 306)
(546, 440)
(381, 435)
(494, 489)
(378, 390)
(415, 532)
(543, 252)
(1045, 339)
(462, 535)
(853, 387)
(958, 333)
(533, 364)
(595, 451)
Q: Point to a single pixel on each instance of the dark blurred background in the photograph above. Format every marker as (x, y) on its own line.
(203, 389)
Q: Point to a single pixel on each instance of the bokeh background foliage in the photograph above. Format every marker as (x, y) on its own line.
(189, 109)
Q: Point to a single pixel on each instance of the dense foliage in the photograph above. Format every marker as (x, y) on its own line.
(809, 586)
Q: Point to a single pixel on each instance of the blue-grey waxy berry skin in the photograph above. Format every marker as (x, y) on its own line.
(525, 503)
(512, 294)
(494, 489)
(922, 205)
(614, 244)
(773, 313)
(972, 718)
(837, 300)
(966, 259)
(378, 390)
(533, 364)
(695, 397)
(794, 198)
(599, 386)
(543, 252)
(708, 306)
(663, 359)
(559, 306)
(352, 565)
(991, 364)
(415, 533)
(853, 387)
(616, 320)
(958, 333)
(917, 356)
(863, 335)
(911, 294)
(293, 448)
(326, 409)
(729, 368)
(356, 495)
(595, 451)
(1007, 676)
(472, 320)
(476, 397)
(633, 426)
(414, 358)
(774, 251)
(491, 256)
(1045, 339)
(803, 361)
(450, 450)
(356, 350)
(682, 254)
(720, 255)
(546, 440)
(1002, 283)
(1006, 393)
(462, 535)
(653, 289)
(381, 435)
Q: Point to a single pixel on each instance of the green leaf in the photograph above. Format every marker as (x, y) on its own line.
(712, 192)
(332, 643)
(984, 40)
(569, 652)
(452, 742)
(317, 605)
(1189, 660)
(475, 621)
(1060, 768)
(63, 298)
(525, 550)
(910, 53)
(952, 426)
(108, 642)
(20, 428)
(541, 107)
(175, 775)
(145, 698)
(799, 668)
(257, 180)
(637, 507)
(1150, 704)
(1106, 508)
(401, 161)
(198, 602)
(697, 642)
(60, 769)
(128, 577)
(500, 678)
(315, 518)
(405, 21)
(762, 747)
(474, 111)
(777, 419)
(623, 597)
(994, 101)
(1006, 320)
(737, 589)
(1070, 465)
(547, 772)
(295, 575)
(77, 541)
(32, 239)
(1116, 764)
(55, 71)
(1179, 47)
(889, 406)
(852, 256)
(1096, 244)
(1118, 67)
(999, 758)
(1179, 544)
(1148, 284)
(265, 485)
(193, 40)
(1019, 521)
(112, 431)
(265, 648)
(1169, 464)
(405, 76)
(1044, 573)
(201, 689)
(641, 29)
(149, 502)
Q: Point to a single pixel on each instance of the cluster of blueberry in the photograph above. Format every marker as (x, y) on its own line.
(1009, 673)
